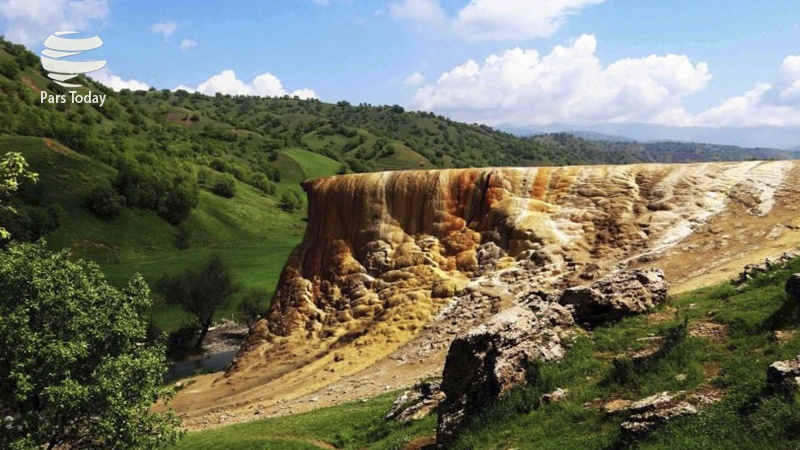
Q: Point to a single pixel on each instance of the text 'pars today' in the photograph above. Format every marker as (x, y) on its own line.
(95, 99)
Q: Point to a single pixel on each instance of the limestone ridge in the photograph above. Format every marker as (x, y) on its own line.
(384, 253)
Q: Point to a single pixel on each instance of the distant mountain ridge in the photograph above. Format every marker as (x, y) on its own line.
(784, 138)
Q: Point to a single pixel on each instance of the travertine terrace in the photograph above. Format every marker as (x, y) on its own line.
(394, 263)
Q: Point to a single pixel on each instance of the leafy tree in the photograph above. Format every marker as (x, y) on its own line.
(105, 203)
(290, 201)
(253, 304)
(201, 292)
(261, 182)
(9, 68)
(13, 167)
(75, 371)
(224, 186)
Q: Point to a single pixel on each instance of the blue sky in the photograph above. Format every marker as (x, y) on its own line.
(502, 62)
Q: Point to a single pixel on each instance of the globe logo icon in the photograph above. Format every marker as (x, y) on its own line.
(58, 48)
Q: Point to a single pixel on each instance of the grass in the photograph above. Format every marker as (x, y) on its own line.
(590, 373)
(750, 416)
(313, 164)
(249, 231)
(349, 426)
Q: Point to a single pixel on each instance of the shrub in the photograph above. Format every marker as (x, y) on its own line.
(224, 186)
(104, 203)
(253, 304)
(262, 183)
(290, 201)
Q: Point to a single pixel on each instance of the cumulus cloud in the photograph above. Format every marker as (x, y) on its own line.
(115, 82)
(492, 20)
(776, 103)
(415, 79)
(515, 19)
(568, 85)
(165, 28)
(264, 85)
(187, 44)
(30, 21)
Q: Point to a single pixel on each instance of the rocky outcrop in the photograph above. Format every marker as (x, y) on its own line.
(620, 294)
(784, 375)
(394, 265)
(649, 413)
(416, 403)
(378, 244)
(751, 270)
(490, 360)
(793, 286)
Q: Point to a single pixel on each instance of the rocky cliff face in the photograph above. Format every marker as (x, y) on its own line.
(398, 259)
(395, 246)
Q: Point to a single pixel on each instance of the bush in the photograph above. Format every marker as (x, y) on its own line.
(262, 183)
(170, 191)
(182, 238)
(104, 203)
(224, 186)
(253, 305)
(290, 201)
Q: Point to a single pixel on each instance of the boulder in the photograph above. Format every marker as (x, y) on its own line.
(652, 412)
(554, 397)
(793, 286)
(644, 423)
(784, 375)
(617, 295)
(546, 307)
(416, 403)
(488, 361)
(488, 253)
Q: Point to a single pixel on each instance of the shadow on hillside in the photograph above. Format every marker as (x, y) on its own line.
(787, 316)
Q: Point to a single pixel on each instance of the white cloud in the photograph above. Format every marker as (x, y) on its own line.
(187, 44)
(495, 20)
(776, 103)
(116, 83)
(515, 19)
(422, 12)
(415, 79)
(165, 28)
(30, 21)
(264, 85)
(568, 85)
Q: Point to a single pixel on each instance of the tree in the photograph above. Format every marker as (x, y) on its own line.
(105, 203)
(13, 167)
(253, 304)
(224, 186)
(75, 369)
(290, 201)
(201, 292)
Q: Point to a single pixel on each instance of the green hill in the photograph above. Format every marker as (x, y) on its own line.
(176, 158)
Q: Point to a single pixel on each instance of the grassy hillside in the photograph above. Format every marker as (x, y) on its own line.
(731, 362)
(187, 144)
(249, 231)
(352, 425)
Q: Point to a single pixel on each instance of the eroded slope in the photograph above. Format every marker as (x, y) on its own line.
(393, 264)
